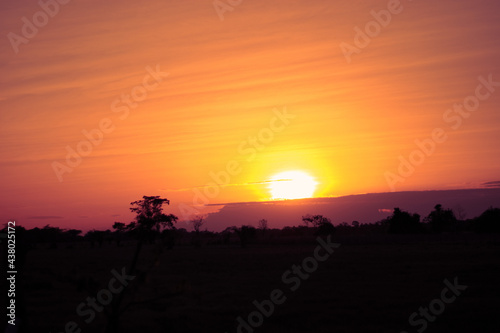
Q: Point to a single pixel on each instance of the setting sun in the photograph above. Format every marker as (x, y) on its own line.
(292, 185)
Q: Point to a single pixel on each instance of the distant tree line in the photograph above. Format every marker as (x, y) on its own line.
(442, 220)
(164, 232)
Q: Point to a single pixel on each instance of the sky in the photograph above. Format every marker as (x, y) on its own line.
(104, 102)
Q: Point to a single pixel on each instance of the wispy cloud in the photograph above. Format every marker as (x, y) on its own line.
(44, 217)
(494, 184)
(228, 185)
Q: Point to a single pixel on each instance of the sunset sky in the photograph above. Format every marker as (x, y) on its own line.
(271, 75)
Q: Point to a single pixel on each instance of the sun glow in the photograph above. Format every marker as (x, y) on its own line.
(292, 185)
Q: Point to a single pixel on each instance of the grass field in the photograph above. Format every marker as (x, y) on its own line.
(369, 284)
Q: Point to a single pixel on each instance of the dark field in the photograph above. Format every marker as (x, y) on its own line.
(369, 284)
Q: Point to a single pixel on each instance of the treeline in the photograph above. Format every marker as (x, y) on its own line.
(440, 220)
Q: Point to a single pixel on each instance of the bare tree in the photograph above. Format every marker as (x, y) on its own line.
(263, 225)
(197, 222)
(461, 214)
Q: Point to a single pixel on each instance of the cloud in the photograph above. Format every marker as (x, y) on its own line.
(44, 217)
(494, 184)
(363, 207)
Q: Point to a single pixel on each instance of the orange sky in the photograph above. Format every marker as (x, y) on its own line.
(227, 79)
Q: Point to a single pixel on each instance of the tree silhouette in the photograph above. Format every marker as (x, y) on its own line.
(245, 233)
(323, 224)
(197, 222)
(119, 229)
(461, 214)
(95, 236)
(315, 220)
(149, 218)
(442, 219)
(489, 221)
(402, 222)
(325, 228)
(263, 225)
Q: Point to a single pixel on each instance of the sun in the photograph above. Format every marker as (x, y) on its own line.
(292, 185)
